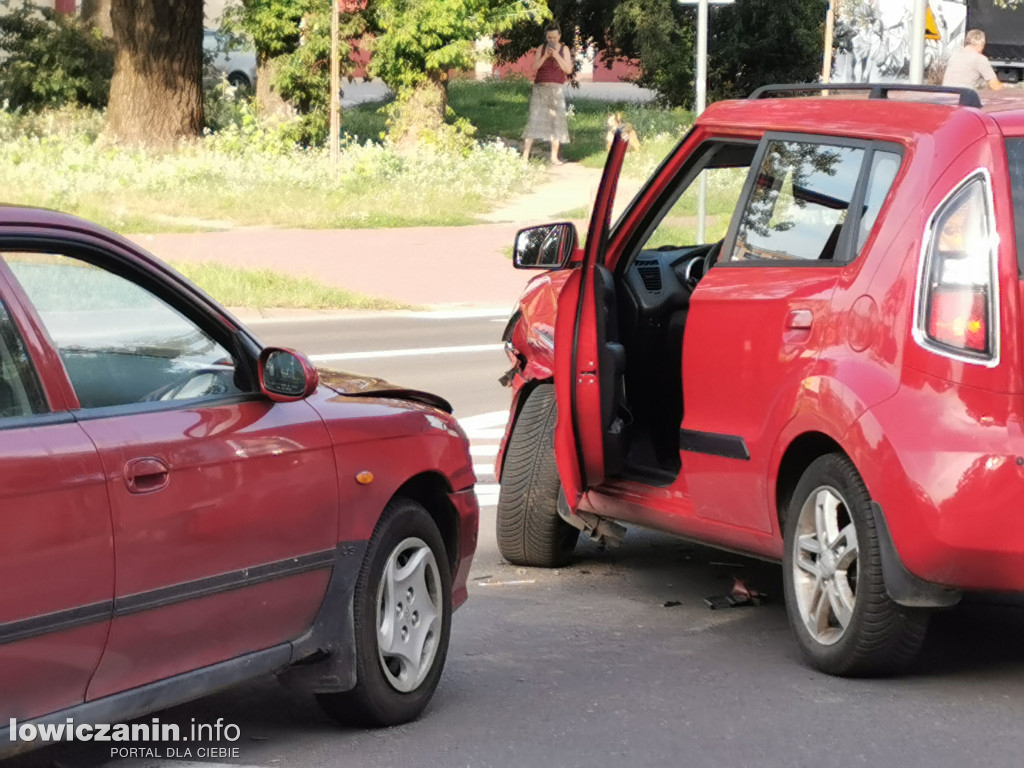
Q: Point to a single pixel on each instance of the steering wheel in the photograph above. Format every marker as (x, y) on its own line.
(207, 381)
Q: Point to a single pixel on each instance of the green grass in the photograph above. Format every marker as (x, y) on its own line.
(498, 109)
(248, 176)
(267, 289)
(573, 214)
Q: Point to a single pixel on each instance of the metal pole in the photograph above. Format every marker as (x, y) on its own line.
(917, 32)
(335, 87)
(702, 102)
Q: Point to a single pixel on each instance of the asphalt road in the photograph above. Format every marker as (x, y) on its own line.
(617, 661)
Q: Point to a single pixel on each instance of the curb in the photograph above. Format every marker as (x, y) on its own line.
(257, 316)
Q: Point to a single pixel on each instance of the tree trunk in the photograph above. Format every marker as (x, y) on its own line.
(156, 94)
(269, 102)
(423, 109)
(98, 13)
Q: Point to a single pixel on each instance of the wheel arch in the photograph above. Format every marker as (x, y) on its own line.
(518, 401)
(431, 489)
(802, 450)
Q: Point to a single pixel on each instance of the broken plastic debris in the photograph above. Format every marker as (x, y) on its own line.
(741, 595)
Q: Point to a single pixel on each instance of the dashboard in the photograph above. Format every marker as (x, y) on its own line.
(662, 280)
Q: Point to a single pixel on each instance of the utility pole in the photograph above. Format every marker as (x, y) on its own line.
(335, 87)
(830, 27)
(917, 33)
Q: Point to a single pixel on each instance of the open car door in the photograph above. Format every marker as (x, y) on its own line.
(589, 361)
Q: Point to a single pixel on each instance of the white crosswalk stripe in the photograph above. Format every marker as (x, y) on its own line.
(484, 432)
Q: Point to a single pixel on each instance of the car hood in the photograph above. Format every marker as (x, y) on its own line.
(354, 385)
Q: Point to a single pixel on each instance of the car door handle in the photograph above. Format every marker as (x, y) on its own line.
(146, 475)
(799, 320)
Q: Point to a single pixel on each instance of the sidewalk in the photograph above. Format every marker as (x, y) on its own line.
(454, 268)
(443, 267)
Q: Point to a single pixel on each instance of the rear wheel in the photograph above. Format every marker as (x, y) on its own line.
(530, 531)
(402, 610)
(844, 620)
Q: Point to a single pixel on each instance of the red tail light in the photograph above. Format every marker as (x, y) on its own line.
(959, 292)
(958, 318)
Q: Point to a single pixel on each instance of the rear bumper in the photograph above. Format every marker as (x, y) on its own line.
(468, 511)
(951, 490)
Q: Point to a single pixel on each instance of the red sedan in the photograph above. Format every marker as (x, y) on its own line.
(184, 508)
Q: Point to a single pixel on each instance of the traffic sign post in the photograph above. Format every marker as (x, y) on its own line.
(917, 38)
(702, 99)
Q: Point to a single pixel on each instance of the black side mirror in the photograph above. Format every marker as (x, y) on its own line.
(286, 375)
(547, 247)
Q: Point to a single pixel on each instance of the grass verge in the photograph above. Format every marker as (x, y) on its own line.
(498, 109)
(267, 289)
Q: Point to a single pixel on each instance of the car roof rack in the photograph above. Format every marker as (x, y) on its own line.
(968, 96)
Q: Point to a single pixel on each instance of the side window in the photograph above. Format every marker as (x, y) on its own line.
(20, 391)
(799, 203)
(120, 344)
(884, 167)
(724, 177)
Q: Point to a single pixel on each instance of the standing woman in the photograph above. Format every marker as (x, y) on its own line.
(552, 64)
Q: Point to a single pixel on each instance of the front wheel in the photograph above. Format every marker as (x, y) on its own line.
(402, 609)
(843, 618)
(529, 529)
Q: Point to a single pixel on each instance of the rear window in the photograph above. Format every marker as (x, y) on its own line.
(806, 198)
(1015, 155)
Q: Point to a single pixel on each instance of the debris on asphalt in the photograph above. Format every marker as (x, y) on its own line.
(741, 596)
(671, 603)
(481, 578)
(513, 583)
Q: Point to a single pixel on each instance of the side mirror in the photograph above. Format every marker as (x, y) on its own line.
(546, 247)
(286, 376)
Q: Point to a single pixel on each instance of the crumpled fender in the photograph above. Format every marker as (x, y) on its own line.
(354, 385)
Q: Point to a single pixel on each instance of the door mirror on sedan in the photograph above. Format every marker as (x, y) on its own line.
(546, 247)
(286, 375)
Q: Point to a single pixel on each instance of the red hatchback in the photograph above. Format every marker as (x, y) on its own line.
(835, 380)
(184, 508)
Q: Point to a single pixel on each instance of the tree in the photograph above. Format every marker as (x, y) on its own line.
(293, 46)
(751, 43)
(97, 13)
(156, 92)
(419, 41)
(51, 59)
(583, 22)
(757, 42)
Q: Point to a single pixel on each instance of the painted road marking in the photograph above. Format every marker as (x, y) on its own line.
(485, 431)
(484, 421)
(383, 353)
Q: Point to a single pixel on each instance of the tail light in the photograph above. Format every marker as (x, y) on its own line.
(957, 303)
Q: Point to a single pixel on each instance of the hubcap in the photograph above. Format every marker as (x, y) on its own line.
(825, 565)
(409, 614)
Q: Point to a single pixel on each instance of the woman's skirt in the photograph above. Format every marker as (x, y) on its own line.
(548, 121)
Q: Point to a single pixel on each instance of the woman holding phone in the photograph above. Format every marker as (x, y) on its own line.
(552, 64)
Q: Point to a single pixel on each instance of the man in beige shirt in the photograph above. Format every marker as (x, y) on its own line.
(969, 67)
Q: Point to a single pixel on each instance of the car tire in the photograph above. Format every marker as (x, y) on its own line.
(240, 81)
(530, 531)
(403, 598)
(844, 620)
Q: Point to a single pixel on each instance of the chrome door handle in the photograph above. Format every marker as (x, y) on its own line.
(146, 475)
